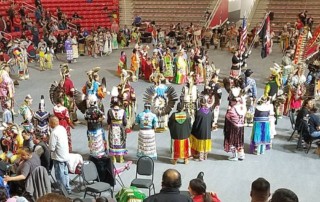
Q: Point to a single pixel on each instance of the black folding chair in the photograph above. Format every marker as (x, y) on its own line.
(293, 124)
(145, 168)
(93, 185)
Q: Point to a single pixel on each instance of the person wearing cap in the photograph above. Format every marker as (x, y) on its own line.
(200, 138)
(95, 132)
(234, 125)
(251, 91)
(260, 140)
(26, 112)
(147, 122)
(41, 119)
(180, 128)
(117, 121)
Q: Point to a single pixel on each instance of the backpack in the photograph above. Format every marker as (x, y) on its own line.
(4, 188)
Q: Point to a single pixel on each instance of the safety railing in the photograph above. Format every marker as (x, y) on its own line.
(213, 12)
(6, 35)
(33, 8)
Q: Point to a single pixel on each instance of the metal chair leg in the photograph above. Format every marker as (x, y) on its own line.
(291, 135)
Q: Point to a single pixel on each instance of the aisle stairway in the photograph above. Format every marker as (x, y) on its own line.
(286, 11)
(126, 12)
(259, 13)
(166, 12)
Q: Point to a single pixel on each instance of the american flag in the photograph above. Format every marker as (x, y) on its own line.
(243, 36)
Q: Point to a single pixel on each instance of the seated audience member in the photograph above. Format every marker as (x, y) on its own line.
(27, 140)
(76, 15)
(42, 149)
(171, 182)
(53, 197)
(197, 189)
(260, 190)
(284, 195)
(29, 161)
(304, 111)
(314, 125)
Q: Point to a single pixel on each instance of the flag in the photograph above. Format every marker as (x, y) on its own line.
(265, 36)
(243, 37)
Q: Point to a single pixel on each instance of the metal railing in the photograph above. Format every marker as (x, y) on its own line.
(33, 8)
(214, 10)
(252, 12)
(6, 35)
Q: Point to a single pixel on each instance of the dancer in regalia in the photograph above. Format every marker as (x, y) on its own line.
(96, 134)
(122, 65)
(62, 113)
(234, 125)
(68, 48)
(201, 132)
(180, 129)
(181, 70)
(251, 92)
(107, 49)
(189, 96)
(260, 136)
(75, 52)
(26, 112)
(147, 122)
(41, 120)
(117, 122)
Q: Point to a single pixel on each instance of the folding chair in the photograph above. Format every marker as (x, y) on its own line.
(145, 167)
(293, 124)
(118, 171)
(93, 185)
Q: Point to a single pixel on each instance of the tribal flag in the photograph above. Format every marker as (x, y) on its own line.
(265, 35)
(243, 37)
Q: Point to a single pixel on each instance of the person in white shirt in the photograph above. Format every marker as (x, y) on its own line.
(58, 145)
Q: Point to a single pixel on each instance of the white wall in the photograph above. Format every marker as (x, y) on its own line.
(234, 5)
(246, 6)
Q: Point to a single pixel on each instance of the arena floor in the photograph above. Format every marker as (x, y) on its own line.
(283, 166)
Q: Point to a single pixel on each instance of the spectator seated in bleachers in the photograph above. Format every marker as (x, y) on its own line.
(137, 21)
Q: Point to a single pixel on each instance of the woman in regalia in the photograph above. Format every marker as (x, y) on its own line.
(117, 122)
(234, 125)
(108, 43)
(75, 51)
(168, 70)
(201, 132)
(122, 62)
(115, 44)
(182, 66)
(260, 136)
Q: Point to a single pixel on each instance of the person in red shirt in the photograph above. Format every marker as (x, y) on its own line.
(69, 90)
(197, 189)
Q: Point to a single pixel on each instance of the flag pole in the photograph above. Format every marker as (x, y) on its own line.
(258, 32)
